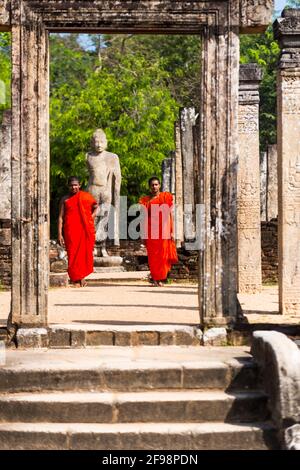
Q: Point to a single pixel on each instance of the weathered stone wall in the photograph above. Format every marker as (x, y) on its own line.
(269, 251)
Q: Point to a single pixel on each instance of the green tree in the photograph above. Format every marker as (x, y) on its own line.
(264, 50)
(70, 64)
(5, 72)
(177, 55)
(126, 95)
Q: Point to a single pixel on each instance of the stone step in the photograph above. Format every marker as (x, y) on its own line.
(87, 335)
(187, 406)
(128, 369)
(134, 436)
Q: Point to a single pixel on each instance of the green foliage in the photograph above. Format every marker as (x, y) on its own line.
(132, 87)
(264, 50)
(178, 56)
(70, 64)
(127, 95)
(5, 72)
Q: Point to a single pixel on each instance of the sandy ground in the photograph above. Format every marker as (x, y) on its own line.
(264, 308)
(121, 301)
(127, 298)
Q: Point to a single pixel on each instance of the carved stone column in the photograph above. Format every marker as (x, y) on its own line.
(187, 122)
(287, 30)
(30, 161)
(272, 187)
(249, 238)
(263, 185)
(178, 187)
(5, 167)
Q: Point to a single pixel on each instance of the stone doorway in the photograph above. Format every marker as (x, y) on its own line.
(219, 24)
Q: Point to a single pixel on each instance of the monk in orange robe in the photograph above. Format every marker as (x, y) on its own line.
(76, 231)
(159, 237)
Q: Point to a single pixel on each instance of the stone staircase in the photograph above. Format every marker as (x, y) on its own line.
(116, 398)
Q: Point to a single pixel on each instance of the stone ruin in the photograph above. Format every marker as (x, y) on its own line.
(221, 130)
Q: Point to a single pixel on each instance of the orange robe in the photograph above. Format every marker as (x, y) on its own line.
(161, 249)
(79, 235)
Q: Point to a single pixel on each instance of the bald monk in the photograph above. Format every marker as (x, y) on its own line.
(76, 231)
(159, 240)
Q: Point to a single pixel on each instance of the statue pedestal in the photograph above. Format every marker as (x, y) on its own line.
(108, 261)
(108, 264)
(111, 269)
(103, 262)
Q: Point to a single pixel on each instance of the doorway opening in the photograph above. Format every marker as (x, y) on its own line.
(134, 88)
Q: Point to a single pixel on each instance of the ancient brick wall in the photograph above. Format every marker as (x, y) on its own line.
(269, 253)
(135, 259)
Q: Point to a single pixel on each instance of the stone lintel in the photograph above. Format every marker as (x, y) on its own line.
(251, 16)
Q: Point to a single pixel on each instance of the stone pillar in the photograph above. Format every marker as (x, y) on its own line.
(178, 187)
(287, 31)
(5, 167)
(5, 200)
(172, 184)
(249, 237)
(30, 173)
(187, 122)
(168, 176)
(218, 162)
(272, 183)
(263, 185)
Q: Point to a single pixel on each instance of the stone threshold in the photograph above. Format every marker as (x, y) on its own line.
(92, 335)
